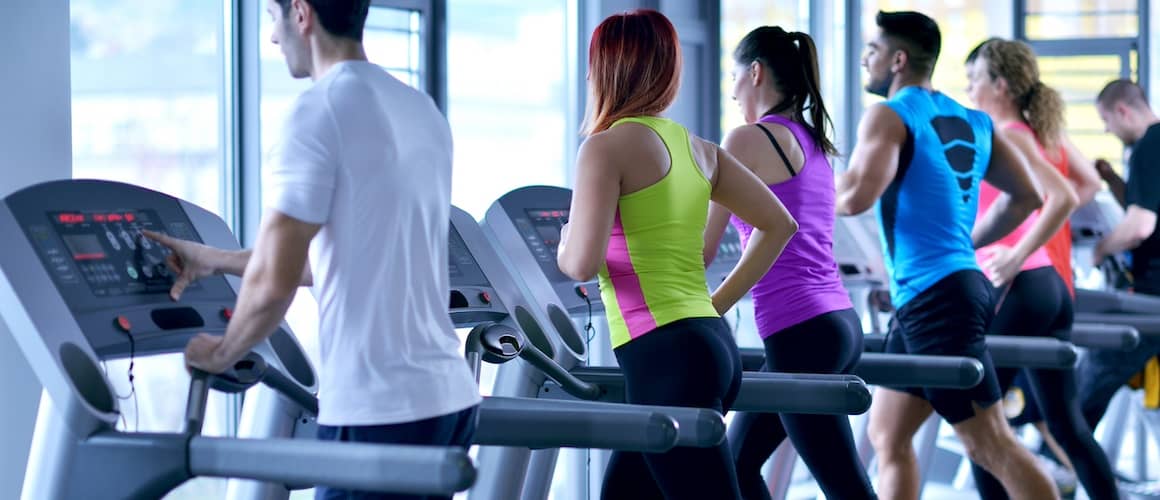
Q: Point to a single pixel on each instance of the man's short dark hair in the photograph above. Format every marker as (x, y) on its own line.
(341, 18)
(1122, 91)
(915, 34)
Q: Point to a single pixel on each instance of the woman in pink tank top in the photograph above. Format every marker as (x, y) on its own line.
(803, 312)
(1032, 298)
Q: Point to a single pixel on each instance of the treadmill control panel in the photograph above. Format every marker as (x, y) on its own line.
(108, 251)
(541, 227)
(465, 271)
(473, 299)
(542, 230)
(114, 280)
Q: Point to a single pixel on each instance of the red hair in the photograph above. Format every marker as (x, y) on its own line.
(634, 68)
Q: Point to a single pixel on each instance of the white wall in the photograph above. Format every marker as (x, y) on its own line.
(35, 146)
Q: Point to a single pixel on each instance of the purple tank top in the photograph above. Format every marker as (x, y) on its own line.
(804, 282)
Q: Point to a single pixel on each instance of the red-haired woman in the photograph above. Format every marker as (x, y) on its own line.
(642, 191)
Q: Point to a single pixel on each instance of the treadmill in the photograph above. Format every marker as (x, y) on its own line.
(1106, 304)
(859, 263)
(524, 227)
(485, 296)
(1089, 224)
(503, 330)
(79, 286)
(861, 271)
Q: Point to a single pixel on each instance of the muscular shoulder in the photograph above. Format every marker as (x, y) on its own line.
(882, 121)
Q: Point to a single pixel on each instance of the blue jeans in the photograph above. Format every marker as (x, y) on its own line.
(455, 429)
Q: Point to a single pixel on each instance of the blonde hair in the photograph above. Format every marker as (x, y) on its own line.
(1040, 105)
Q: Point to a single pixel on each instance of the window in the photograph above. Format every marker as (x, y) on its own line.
(738, 18)
(508, 97)
(146, 101)
(146, 110)
(1057, 19)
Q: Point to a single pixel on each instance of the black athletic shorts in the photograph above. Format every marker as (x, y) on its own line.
(949, 319)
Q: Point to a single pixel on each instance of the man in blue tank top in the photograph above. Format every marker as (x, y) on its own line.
(919, 160)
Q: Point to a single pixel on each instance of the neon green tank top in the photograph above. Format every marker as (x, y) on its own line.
(654, 271)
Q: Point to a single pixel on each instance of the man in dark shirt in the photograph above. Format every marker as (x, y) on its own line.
(1125, 111)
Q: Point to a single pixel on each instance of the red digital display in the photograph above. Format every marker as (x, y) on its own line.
(115, 217)
(71, 218)
(129, 217)
(98, 217)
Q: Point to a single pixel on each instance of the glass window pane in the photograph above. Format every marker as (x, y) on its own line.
(146, 110)
(145, 102)
(390, 19)
(1065, 19)
(739, 17)
(394, 48)
(507, 96)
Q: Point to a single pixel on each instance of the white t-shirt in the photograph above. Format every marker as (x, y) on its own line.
(369, 158)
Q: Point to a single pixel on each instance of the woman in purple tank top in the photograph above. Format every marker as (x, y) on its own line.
(803, 312)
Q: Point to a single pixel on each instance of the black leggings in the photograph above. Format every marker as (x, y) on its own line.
(693, 363)
(828, 343)
(1038, 305)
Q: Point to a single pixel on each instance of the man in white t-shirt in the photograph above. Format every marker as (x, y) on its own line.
(357, 207)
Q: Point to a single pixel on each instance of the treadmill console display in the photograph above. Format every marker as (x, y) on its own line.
(463, 268)
(114, 280)
(541, 232)
(109, 251)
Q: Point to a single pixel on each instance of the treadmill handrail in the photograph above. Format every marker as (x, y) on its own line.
(1012, 352)
(195, 403)
(1105, 336)
(421, 470)
(535, 424)
(696, 427)
(915, 370)
(1145, 324)
(1031, 352)
(771, 392)
(569, 382)
(275, 379)
(1115, 302)
(796, 393)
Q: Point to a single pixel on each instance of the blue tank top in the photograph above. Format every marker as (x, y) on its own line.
(926, 214)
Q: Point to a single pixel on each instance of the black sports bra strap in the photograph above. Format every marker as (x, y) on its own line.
(777, 146)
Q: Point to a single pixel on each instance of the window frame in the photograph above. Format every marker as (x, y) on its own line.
(1098, 46)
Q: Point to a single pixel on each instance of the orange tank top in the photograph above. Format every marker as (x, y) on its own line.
(1059, 246)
